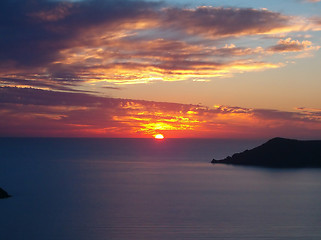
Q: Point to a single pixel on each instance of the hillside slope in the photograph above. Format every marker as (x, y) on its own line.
(279, 152)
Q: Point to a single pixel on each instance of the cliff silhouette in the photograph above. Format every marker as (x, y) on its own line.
(279, 153)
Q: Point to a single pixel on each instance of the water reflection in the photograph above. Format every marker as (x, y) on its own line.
(134, 195)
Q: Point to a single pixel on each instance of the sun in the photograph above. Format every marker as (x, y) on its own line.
(159, 136)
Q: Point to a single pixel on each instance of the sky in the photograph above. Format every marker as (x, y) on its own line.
(185, 69)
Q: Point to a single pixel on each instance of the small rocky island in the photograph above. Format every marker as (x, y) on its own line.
(279, 153)
(3, 194)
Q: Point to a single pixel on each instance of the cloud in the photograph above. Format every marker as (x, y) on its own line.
(218, 22)
(32, 112)
(316, 22)
(289, 45)
(64, 45)
(35, 31)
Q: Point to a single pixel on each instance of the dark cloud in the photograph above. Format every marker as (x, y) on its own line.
(220, 22)
(33, 32)
(98, 44)
(31, 96)
(63, 44)
(275, 114)
(39, 82)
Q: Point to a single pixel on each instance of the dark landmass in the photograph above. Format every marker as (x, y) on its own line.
(4, 194)
(279, 153)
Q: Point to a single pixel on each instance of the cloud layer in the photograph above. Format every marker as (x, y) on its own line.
(57, 58)
(32, 112)
(75, 45)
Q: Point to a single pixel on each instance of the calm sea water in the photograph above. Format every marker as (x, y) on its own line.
(128, 189)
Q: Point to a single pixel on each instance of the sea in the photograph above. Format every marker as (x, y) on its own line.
(147, 189)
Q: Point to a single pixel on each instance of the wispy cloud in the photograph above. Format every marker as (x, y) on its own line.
(32, 112)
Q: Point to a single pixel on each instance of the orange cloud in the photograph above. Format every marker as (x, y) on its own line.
(31, 112)
(130, 62)
(289, 45)
(74, 45)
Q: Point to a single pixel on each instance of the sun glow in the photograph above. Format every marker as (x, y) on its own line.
(159, 136)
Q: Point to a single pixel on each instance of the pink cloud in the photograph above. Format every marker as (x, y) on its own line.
(31, 112)
(72, 45)
(220, 22)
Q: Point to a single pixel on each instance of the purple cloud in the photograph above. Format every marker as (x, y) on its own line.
(62, 45)
(221, 22)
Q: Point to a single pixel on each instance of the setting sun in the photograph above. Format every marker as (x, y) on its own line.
(159, 136)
